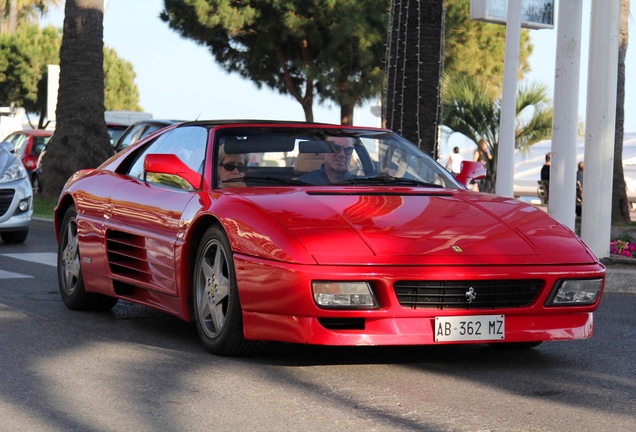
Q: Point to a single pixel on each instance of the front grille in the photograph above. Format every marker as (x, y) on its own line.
(484, 294)
(6, 197)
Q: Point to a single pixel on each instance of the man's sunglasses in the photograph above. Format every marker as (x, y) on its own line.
(338, 148)
(231, 167)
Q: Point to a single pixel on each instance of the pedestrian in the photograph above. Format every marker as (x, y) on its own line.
(454, 164)
(545, 169)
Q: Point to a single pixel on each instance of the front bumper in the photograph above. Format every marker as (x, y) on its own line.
(12, 219)
(278, 305)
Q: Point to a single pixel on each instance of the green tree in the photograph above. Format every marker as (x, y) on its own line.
(81, 138)
(121, 92)
(24, 56)
(470, 110)
(331, 50)
(477, 49)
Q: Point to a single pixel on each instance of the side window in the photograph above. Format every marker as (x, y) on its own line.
(39, 144)
(150, 129)
(187, 143)
(19, 144)
(130, 136)
(137, 168)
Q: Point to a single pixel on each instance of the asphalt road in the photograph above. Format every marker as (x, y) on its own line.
(134, 369)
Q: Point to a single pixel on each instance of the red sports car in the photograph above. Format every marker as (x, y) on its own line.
(319, 234)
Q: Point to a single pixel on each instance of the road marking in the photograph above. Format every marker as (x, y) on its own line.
(10, 275)
(48, 258)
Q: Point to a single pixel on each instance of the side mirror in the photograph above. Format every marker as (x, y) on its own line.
(170, 164)
(471, 171)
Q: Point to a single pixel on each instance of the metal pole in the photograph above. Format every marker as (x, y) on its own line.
(562, 201)
(600, 119)
(506, 151)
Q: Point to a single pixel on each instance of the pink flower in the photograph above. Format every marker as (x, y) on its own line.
(620, 247)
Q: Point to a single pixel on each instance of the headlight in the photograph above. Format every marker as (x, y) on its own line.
(15, 172)
(575, 292)
(24, 205)
(343, 295)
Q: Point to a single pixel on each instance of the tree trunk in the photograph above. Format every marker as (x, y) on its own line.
(306, 100)
(81, 138)
(413, 71)
(620, 205)
(13, 16)
(346, 114)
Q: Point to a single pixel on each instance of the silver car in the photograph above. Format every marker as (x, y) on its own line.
(16, 199)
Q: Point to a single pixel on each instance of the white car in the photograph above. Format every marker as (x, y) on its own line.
(16, 199)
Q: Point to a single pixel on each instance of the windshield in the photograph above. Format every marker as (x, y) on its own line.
(323, 157)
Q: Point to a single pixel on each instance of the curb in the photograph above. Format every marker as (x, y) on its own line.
(620, 274)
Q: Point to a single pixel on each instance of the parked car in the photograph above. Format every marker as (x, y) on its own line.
(28, 145)
(318, 234)
(115, 131)
(139, 130)
(16, 199)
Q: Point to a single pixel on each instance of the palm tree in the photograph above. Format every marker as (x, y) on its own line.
(413, 69)
(81, 138)
(620, 205)
(15, 11)
(469, 109)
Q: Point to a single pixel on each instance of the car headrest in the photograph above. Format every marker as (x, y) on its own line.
(307, 162)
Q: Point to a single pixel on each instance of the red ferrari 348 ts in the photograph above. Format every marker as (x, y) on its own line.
(318, 234)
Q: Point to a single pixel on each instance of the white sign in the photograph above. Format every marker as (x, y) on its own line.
(535, 14)
(52, 86)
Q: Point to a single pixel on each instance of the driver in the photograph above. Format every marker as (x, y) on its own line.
(232, 168)
(335, 166)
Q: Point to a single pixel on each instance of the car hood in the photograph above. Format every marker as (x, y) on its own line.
(366, 226)
(6, 159)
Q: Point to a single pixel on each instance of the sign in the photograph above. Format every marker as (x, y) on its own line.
(53, 83)
(535, 14)
(470, 328)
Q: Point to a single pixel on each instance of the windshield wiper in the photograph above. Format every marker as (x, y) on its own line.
(383, 179)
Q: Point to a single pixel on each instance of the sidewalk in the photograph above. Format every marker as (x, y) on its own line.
(620, 279)
(621, 272)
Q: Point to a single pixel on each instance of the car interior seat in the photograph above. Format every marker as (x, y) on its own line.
(307, 162)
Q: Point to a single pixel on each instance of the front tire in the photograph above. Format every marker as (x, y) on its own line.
(217, 308)
(69, 270)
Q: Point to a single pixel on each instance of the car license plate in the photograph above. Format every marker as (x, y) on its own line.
(469, 328)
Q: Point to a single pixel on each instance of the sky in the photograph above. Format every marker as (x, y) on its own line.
(178, 79)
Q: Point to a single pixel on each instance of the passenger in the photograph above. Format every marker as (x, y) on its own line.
(335, 166)
(231, 168)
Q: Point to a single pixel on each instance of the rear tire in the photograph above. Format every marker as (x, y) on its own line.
(69, 270)
(217, 308)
